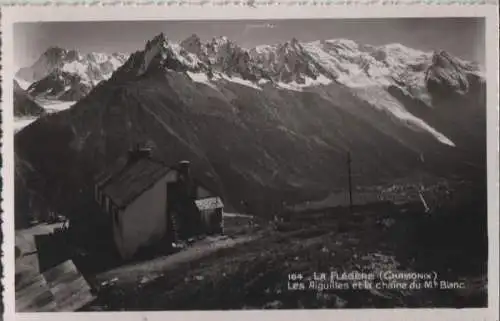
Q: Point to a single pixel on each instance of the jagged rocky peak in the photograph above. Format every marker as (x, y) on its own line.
(152, 49)
(451, 74)
(159, 39)
(443, 59)
(58, 56)
(192, 44)
(120, 55)
(62, 74)
(292, 44)
(61, 85)
(221, 40)
(221, 48)
(162, 54)
(53, 82)
(55, 52)
(344, 44)
(73, 55)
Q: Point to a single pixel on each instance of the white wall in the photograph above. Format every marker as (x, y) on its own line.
(144, 221)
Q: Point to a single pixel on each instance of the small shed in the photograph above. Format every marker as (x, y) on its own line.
(211, 209)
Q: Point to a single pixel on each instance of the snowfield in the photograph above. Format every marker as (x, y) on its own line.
(23, 83)
(56, 106)
(202, 78)
(309, 82)
(384, 101)
(49, 106)
(241, 81)
(21, 122)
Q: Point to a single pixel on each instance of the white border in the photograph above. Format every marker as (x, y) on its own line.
(208, 12)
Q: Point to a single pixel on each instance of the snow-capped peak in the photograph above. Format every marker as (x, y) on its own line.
(66, 70)
(220, 41)
(91, 67)
(161, 53)
(448, 73)
(193, 44)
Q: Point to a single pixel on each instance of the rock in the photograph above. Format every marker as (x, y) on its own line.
(273, 305)
(330, 300)
(388, 222)
(339, 302)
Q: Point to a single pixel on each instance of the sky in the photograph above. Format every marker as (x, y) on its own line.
(462, 37)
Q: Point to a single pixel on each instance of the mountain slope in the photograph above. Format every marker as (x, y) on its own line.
(24, 105)
(262, 134)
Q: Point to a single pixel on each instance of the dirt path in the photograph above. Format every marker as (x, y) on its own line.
(149, 270)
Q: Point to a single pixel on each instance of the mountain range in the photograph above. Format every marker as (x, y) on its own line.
(67, 75)
(265, 125)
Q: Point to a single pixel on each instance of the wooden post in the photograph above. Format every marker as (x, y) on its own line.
(350, 180)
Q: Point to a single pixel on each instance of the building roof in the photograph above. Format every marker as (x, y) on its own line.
(124, 182)
(132, 180)
(209, 203)
(103, 177)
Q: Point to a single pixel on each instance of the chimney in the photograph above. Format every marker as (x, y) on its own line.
(184, 178)
(184, 169)
(138, 153)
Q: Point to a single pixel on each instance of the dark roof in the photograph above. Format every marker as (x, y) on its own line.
(124, 181)
(103, 177)
(125, 185)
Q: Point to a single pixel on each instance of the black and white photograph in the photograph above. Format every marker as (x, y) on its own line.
(250, 164)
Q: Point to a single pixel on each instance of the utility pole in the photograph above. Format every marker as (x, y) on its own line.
(350, 181)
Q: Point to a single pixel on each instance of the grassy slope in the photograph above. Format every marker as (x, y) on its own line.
(255, 275)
